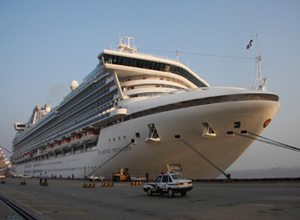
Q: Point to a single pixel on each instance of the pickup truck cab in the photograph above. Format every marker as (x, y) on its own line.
(169, 183)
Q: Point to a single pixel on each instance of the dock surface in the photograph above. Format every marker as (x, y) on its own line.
(68, 200)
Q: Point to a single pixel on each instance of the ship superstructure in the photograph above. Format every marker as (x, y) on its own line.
(142, 105)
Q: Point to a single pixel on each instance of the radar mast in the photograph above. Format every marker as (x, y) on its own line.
(124, 45)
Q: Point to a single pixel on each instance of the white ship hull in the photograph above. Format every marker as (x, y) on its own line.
(222, 150)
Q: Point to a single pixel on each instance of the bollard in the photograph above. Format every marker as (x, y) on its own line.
(45, 184)
(136, 183)
(89, 185)
(107, 184)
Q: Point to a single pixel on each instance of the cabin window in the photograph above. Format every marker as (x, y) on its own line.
(137, 135)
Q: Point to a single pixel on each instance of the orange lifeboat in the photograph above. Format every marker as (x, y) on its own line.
(49, 148)
(75, 141)
(28, 156)
(65, 144)
(57, 145)
(90, 136)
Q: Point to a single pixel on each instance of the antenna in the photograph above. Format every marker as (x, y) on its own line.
(262, 82)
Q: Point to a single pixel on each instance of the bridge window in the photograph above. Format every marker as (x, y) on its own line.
(148, 64)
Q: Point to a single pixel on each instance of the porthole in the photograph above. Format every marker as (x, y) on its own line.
(229, 133)
(237, 124)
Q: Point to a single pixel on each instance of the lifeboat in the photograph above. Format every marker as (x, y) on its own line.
(49, 148)
(57, 146)
(89, 137)
(65, 144)
(21, 158)
(17, 159)
(75, 141)
(28, 156)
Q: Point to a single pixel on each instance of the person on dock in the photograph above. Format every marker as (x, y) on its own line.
(45, 177)
(41, 178)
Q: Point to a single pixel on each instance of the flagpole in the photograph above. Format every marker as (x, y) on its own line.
(257, 44)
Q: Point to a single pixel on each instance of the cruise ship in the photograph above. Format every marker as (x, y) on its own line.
(145, 113)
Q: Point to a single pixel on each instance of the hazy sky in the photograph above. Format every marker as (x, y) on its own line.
(44, 45)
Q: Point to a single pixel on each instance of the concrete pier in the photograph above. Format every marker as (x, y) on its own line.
(67, 199)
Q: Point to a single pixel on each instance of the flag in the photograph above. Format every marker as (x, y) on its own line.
(249, 46)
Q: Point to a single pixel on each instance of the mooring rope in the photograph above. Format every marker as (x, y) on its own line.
(268, 141)
(203, 157)
(110, 159)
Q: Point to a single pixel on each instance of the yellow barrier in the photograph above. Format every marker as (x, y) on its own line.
(107, 184)
(89, 185)
(136, 183)
(22, 183)
(45, 184)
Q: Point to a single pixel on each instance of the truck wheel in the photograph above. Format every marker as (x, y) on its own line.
(183, 194)
(170, 193)
(149, 192)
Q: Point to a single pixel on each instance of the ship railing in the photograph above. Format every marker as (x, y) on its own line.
(97, 118)
(181, 91)
(102, 103)
(151, 55)
(84, 85)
